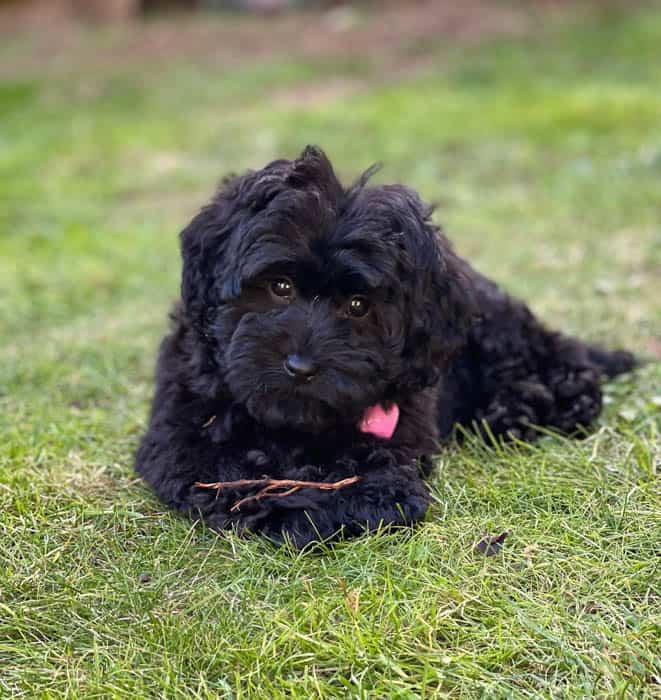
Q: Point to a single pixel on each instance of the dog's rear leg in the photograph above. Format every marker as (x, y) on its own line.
(527, 376)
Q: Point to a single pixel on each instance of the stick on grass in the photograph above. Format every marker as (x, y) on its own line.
(270, 487)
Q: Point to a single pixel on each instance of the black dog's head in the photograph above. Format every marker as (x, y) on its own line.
(317, 301)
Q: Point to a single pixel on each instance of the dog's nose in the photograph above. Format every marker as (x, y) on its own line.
(300, 367)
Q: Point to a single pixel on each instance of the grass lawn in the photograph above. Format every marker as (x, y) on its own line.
(544, 155)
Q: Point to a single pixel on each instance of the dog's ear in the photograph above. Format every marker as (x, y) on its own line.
(209, 243)
(439, 298)
(204, 247)
(213, 245)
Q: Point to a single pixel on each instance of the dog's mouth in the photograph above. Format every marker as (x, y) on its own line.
(294, 411)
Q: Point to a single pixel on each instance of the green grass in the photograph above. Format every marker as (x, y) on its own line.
(545, 158)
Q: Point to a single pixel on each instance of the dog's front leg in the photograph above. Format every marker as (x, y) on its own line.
(386, 494)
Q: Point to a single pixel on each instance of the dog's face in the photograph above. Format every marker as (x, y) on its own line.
(317, 302)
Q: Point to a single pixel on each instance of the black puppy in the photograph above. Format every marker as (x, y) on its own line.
(327, 333)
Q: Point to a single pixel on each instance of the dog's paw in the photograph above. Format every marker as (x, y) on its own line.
(577, 398)
(515, 411)
(298, 528)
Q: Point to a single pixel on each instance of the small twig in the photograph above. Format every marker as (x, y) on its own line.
(279, 483)
(262, 494)
(269, 487)
(210, 421)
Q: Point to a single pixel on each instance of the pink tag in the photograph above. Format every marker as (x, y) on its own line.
(379, 422)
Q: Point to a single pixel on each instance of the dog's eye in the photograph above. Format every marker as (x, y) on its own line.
(282, 288)
(358, 307)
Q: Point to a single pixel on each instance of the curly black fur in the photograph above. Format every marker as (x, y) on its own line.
(440, 340)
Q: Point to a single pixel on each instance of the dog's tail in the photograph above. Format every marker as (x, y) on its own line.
(612, 362)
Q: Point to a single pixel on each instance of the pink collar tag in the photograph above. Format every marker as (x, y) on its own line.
(380, 422)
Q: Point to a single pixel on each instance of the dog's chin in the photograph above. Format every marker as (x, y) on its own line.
(287, 411)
